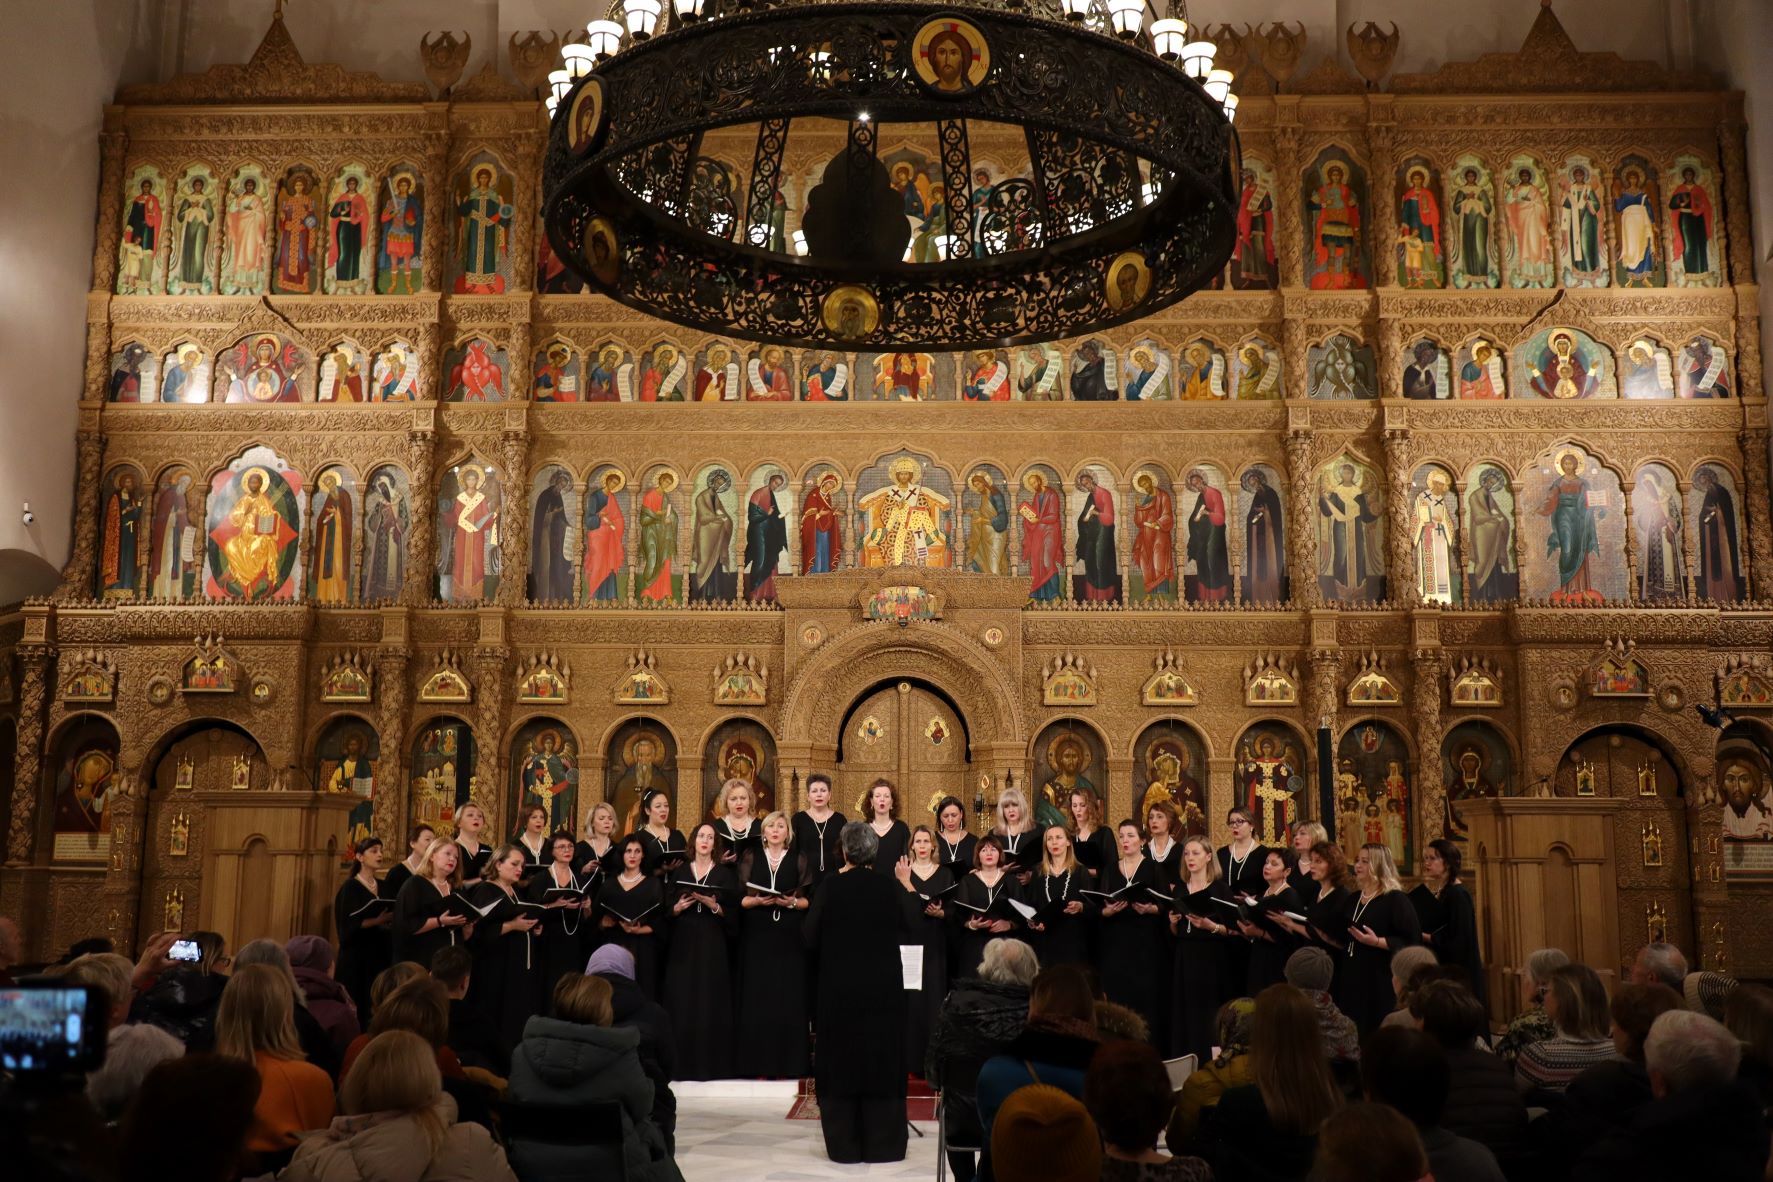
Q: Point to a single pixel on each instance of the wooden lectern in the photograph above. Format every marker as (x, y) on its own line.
(1545, 878)
(271, 864)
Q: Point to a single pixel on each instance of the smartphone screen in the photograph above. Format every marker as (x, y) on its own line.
(184, 950)
(50, 1028)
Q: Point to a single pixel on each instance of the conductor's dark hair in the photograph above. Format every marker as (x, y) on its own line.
(452, 965)
(860, 843)
(1450, 855)
(992, 841)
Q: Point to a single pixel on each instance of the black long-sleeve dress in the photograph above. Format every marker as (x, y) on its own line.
(1204, 972)
(507, 983)
(1021, 851)
(1133, 950)
(1451, 920)
(585, 854)
(772, 972)
(1325, 916)
(363, 951)
(563, 931)
(698, 991)
(969, 943)
(957, 855)
(893, 845)
(1302, 883)
(395, 879)
(616, 899)
(1066, 939)
(1363, 988)
(534, 861)
(820, 843)
(657, 853)
(922, 1006)
(736, 843)
(1240, 877)
(418, 902)
(1094, 851)
(473, 864)
(1267, 964)
(1170, 865)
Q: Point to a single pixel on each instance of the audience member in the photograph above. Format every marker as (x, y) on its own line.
(109, 972)
(1408, 1070)
(1703, 1123)
(1749, 1016)
(1115, 1021)
(1405, 963)
(1127, 1092)
(1659, 964)
(473, 1036)
(392, 978)
(1370, 1143)
(658, 1046)
(1311, 971)
(1231, 1068)
(1267, 1131)
(1577, 1004)
(1605, 1095)
(421, 1006)
(312, 961)
(317, 1045)
(131, 1053)
(1706, 993)
(1054, 1048)
(1532, 1024)
(1482, 1100)
(1045, 1132)
(190, 1121)
(255, 1024)
(182, 997)
(979, 1019)
(576, 1058)
(153, 960)
(398, 1126)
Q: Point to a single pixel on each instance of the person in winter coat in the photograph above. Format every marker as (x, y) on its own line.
(311, 960)
(633, 1007)
(576, 1057)
(1055, 1048)
(981, 1017)
(182, 998)
(398, 1126)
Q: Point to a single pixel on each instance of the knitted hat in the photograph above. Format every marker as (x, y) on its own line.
(309, 952)
(611, 960)
(1310, 969)
(1706, 993)
(1042, 1132)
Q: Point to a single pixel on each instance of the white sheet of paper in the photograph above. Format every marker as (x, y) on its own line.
(911, 965)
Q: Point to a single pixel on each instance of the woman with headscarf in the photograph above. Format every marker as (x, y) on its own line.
(1230, 1068)
(632, 1008)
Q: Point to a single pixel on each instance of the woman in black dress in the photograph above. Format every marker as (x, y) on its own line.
(698, 991)
(1204, 936)
(470, 828)
(1132, 937)
(881, 807)
(1092, 840)
(1015, 829)
(418, 840)
(663, 846)
(925, 878)
(1240, 872)
(595, 846)
(1378, 922)
(978, 892)
(1306, 835)
(532, 839)
(815, 830)
(1061, 929)
(363, 917)
(1163, 829)
(954, 845)
(1269, 943)
(772, 955)
(631, 904)
(1447, 915)
(566, 922)
(738, 829)
(506, 984)
(423, 922)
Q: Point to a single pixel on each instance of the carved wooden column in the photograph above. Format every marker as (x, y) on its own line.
(121, 894)
(113, 143)
(1382, 168)
(1463, 574)
(1732, 153)
(1287, 209)
(438, 223)
(421, 455)
(1633, 559)
(1431, 790)
(1301, 534)
(33, 669)
(77, 578)
(527, 200)
(514, 517)
(393, 716)
(1705, 828)
(490, 712)
(1390, 353)
(1520, 544)
(429, 387)
(1754, 441)
(1400, 569)
(522, 371)
(1295, 349)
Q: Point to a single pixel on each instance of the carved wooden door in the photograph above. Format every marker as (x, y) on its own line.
(175, 834)
(912, 737)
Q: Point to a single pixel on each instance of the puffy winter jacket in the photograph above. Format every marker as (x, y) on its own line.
(393, 1147)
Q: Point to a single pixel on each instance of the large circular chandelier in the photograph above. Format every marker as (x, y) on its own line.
(1122, 204)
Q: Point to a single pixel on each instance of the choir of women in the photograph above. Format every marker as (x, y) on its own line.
(1172, 926)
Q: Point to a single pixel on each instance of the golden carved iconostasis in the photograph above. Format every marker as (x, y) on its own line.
(1470, 475)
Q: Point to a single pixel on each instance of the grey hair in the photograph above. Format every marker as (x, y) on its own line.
(1543, 963)
(277, 956)
(1666, 963)
(130, 1053)
(1691, 1050)
(107, 971)
(860, 843)
(1009, 962)
(1406, 960)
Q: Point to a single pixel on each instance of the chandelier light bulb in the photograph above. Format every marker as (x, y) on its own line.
(1168, 36)
(1127, 16)
(560, 84)
(688, 11)
(1230, 106)
(1076, 10)
(642, 17)
(800, 243)
(1218, 84)
(553, 105)
(1197, 59)
(578, 58)
(604, 38)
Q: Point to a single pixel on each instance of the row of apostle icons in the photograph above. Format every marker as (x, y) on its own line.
(1204, 534)
(1560, 363)
(1462, 222)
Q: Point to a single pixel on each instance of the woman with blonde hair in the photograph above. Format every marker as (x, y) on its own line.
(735, 823)
(1203, 973)
(1061, 923)
(1269, 1129)
(880, 808)
(1380, 920)
(397, 1125)
(599, 839)
(505, 982)
(1306, 835)
(427, 913)
(1015, 829)
(773, 885)
(470, 828)
(256, 1024)
(1092, 841)
(926, 882)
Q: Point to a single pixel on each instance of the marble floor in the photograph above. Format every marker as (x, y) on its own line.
(736, 1131)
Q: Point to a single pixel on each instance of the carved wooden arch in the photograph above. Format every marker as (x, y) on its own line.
(869, 653)
(153, 750)
(1147, 725)
(1691, 755)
